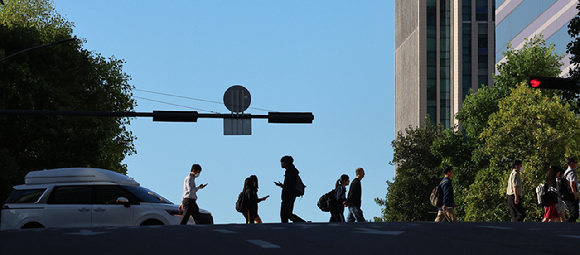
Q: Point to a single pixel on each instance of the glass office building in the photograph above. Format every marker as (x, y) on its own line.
(520, 19)
(443, 49)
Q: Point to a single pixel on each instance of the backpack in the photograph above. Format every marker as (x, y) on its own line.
(325, 201)
(565, 190)
(240, 202)
(436, 196)
(299, 186)
(540, 195)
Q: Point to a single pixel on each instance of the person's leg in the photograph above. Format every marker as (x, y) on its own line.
(572, 207)
(194, 211)
(512, 206)
(332, 216)
(440, 216)
(450, 214)
(251, 216)
(521, 211)
(562, 215)
(350, 217)
(284, 211)
(186, 211)
(291, 216)
(358, 214)
(248, 217)
(257, 219)
(341, 216)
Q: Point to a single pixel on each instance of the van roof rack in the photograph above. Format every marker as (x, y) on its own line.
(70, 175)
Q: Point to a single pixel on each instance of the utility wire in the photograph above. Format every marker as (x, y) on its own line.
(157, 101)
(192, 98)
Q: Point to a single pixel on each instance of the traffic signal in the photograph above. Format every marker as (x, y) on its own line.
(552, 83)
(290, 117)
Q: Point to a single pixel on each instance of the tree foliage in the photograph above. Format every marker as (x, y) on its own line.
(60, 77)
(419, 155)
(501, 122)
(538, 129)
(533, 59)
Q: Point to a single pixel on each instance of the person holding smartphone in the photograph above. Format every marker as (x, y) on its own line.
(188, 200)
(257, 218)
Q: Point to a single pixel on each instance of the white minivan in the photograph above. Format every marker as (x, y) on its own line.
(87, 197)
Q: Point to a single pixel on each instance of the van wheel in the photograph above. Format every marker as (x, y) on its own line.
(205, 219)
(151, 222)
(32, 225)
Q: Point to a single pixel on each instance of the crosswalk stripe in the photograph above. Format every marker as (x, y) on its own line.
(263, 244)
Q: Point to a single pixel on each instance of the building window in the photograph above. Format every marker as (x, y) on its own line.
(466, 10)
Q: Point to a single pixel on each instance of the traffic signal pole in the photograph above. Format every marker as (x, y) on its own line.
(176, 116)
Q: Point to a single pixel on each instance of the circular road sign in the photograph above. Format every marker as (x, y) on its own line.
(237, 98)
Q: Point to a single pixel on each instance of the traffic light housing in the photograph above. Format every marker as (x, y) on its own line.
(290, 117)
(552, 83)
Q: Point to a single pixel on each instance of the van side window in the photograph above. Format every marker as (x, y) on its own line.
(109, 194)
(24, 196)
(70, 195)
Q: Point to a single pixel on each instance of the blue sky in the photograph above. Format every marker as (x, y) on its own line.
(332, 58)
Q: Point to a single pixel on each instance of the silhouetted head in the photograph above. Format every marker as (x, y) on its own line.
(255, 178)
(196, 170)
(344, 180)
(516, 164)
(360, 173)
(287, 161)
(448, 171)
(572, 162)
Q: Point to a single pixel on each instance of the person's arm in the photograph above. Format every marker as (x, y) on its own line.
(446, 193)
(516, 199)
(574, 189)
(191, 184)
(354, 191)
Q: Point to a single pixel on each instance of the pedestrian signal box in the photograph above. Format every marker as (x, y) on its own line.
(552, 83)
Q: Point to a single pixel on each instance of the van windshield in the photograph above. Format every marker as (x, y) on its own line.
(24, 196)
(147, 195)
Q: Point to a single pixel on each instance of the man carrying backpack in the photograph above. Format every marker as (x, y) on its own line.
(289, 192)
(447, 211)
(572, 179)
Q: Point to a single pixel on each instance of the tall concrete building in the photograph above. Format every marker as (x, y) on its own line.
(520, 19)
(443, 48)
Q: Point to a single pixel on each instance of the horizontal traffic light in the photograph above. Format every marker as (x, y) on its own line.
(290, 117)
(552, 83)
(175, 116)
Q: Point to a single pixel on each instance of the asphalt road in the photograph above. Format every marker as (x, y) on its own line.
(301, 238)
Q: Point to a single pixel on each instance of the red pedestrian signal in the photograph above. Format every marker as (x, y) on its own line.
(535, 82)
(552, 83)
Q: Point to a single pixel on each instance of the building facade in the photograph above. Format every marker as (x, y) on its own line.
(443, 49)
(520, 19)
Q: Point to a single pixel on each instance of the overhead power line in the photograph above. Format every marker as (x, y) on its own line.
(192, 98)
(188, 107)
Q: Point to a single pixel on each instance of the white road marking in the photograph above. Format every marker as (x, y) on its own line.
(86, 233)
(263, 244)
(377, 232)
(224, 231)
(578, 237)
(496, 227)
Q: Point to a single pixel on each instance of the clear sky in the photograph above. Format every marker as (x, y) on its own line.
(332, 58)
